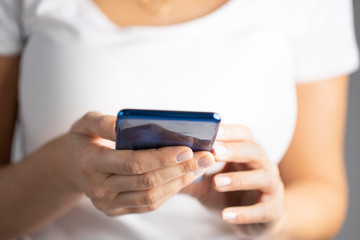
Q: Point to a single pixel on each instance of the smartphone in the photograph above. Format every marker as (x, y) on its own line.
(143, 129)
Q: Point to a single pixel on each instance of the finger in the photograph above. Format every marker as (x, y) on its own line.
(241, 152)
(127, 210)
(261, 179)
(95, 124)
(153, 196)
(259, 213)
(229, 132)
(152, 179)
(129, 162)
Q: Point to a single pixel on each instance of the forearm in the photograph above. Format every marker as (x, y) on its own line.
(33, 193)
(314, 210)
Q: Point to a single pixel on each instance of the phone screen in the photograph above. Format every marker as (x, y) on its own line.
(144, 132)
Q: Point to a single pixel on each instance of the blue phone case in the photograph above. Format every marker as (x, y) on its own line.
(144, 129)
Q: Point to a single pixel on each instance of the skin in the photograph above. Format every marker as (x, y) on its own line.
(128, 13)
(312, 180)
(289, 201)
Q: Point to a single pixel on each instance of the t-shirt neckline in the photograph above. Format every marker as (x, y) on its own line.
(212, 17)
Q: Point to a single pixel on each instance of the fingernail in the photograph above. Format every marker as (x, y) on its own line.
(220, 149)
(199, 172)
(222, 181)
(229, 215)
(205, 162)
(184, 156)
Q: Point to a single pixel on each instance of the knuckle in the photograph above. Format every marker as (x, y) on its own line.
(149, 180)
(182, 168)
(150, 198)
(103, 122)
(100, 206)
(184, 180)
(185, 167)
(111, 214)
(163, 157)
(77, 126)
(86, 165)
(269, 179)
(97, 193)
(86, 168)
(152, 207)
(272, 178)
(258, 151)
(267, 213)
(275, 171)
(115, 213)
(131, 165)
(88, 116)
(242, 179)
(74, 128)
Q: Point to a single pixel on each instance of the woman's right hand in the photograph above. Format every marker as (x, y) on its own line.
(125, 181)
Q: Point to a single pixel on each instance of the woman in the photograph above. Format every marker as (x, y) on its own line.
(276, 71)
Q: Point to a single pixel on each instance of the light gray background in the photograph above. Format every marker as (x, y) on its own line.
(351, 229)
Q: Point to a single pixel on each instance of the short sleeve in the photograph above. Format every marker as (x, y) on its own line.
(327, 47)
(11, 40)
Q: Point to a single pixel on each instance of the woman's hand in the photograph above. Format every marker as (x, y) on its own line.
(248, 190)
(125, 181)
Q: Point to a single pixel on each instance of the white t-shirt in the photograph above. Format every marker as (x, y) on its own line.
(243, 61)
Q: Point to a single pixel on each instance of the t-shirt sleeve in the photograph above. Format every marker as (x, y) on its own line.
(11, 40)
(327, 47)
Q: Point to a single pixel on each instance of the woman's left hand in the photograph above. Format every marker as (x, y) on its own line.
(249, 190)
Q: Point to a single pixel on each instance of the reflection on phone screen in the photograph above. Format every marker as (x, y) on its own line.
(155, 136)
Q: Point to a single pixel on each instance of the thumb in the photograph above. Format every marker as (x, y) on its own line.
(95, 124)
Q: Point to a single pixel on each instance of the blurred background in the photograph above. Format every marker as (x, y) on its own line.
(351, 229)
